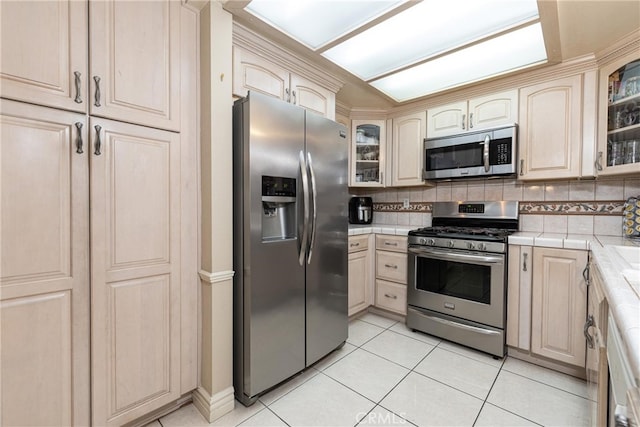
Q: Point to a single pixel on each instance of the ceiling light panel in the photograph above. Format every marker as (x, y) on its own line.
(515, 50)
(318, 22)
(427, 29)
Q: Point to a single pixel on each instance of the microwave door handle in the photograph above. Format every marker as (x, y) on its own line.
(485, 153)
(459, 257)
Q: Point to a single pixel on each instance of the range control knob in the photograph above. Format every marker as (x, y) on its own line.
(451, 244)
(482, 246)
(423, 241)
(470, 245)
(431, 242)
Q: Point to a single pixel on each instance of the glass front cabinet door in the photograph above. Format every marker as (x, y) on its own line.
(367, 153)
(619, 134)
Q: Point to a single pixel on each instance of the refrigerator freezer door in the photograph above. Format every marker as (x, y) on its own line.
(326, 298)
(270, 313)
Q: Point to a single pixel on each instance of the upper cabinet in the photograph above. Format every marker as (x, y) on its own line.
(475, 114)
(134, 72)
(251, 72)
(368, 147)
(46, 61)
(550, 122)
(407, 149)
(135, 63)
(619, 124)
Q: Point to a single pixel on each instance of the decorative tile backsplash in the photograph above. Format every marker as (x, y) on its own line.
(566, 207)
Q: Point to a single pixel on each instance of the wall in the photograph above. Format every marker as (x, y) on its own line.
(566, 207)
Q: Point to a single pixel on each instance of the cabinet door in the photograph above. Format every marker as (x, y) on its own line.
(44, 53)
(44, 284)
(135, 62)
(312, 97)
(559, 305)
(408, 156)
(447, 120)
(135, 246)
(253, 73)
(358, 281)
(519, 297)
(618, 124)
(493, 110)
(367, 153)
(551, 122)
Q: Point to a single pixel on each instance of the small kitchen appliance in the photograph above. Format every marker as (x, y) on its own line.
(360, 210)
(457, 273)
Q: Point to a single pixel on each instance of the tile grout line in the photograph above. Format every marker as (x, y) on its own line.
(493, 383)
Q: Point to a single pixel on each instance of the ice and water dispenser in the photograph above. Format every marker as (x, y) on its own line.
(278, 208)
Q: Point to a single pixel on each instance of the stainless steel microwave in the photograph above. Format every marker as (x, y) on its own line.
(491, 152)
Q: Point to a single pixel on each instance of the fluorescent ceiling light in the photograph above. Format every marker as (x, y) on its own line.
(318, 22)
(509, 52)
(426, 29)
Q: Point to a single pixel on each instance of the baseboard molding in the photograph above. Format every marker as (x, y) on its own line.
(213, 407)
(526, 356)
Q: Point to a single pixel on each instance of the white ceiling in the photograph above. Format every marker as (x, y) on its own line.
(577, 27)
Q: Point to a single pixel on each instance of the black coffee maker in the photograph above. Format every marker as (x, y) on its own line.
(360, 210)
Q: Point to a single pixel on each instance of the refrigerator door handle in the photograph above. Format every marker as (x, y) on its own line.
(302, 242)
(314, 207)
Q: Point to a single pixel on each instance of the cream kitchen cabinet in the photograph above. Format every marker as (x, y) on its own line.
(619, 117)
(519, 297)
(252, 72)
(391, 273)
(595, 329)
(131, 72)
(550, 131)
(135, 268)
(475, 114)
(44, 283)
(134, 51)
(407, 149)
(44, 53)
(559, 305)
(91, 210)
(547, 304)
(368, 153)
(360, 295)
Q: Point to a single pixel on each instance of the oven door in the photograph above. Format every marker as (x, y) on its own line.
(465, 284)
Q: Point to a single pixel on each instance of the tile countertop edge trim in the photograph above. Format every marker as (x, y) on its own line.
(398, 230)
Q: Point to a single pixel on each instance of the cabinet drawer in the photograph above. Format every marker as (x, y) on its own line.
(391, 243)
(391, 296)
(358, 243)
(391, 266)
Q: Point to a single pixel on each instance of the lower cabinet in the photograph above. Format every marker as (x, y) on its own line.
(359, 274)
(595, 329)
(391, 273)
(557, 299)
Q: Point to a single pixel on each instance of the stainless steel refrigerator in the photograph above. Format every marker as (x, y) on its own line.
(290, 241)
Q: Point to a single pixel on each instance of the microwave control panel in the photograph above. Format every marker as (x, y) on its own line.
(500, 152)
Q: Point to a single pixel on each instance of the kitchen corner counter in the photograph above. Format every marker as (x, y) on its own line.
(623, 295)
(398, 230)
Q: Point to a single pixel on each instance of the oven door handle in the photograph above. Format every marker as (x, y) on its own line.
(430, 253)
(462, 325)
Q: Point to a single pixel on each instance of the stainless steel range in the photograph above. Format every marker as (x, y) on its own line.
(457, 273)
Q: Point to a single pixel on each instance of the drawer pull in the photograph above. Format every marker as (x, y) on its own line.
(354, 245)
(391, 296)
(391, 244)
(395, 267)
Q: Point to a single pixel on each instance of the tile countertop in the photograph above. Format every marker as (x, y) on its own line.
(398, 230)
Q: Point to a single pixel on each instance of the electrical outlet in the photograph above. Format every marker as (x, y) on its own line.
(405, 203)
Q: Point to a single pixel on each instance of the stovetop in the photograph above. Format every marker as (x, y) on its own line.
(469, 233)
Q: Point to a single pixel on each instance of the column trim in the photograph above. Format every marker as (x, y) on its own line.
(217, 277)
(213, 407)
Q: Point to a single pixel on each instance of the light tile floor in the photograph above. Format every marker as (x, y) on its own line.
(387, 375)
